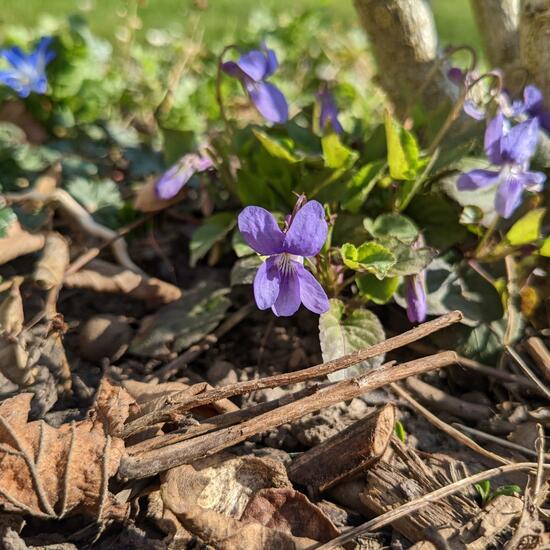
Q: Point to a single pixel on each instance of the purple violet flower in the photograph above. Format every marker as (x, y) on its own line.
(415, 295)
(329, 111)
(28, 71)
(282, 282)
(171, 182)
(252, 69)
(465, 79)
(532, 106)
(511, 149)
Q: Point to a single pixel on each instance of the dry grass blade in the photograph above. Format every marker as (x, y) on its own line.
(444, 427)
(524, 367)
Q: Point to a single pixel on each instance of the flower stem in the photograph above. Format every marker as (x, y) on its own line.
(219, 96)
(488, 234)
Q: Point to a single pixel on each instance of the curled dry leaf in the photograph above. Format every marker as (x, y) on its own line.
(209, 497)
(50, 268)
(102, 276)
(13, 353)
(19, 242)
(291, 512)
(53, 472)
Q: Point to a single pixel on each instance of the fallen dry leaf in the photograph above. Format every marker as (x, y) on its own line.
(50, 268)
(53, 472)
(102, 276)
(289, 511)
(209, 496)
(16, 113)
(13, 354)
(19, 242)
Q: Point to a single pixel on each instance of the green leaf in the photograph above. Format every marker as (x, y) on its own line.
(340, 334)
(408, 260)
(527, 228)
(400, 432)
(239, 245)
(335, 153)
(214, 229)
(438, 218)
(277, 148)
(508, 490)
(376, 290)
(484, 490)
(244, 270)
(545, 248)
(361, 184)
(176, 144)
(7, 217)
(403, 151)
(392, 225)
(178, 325)
(471, 215)
(100, 197)
(370, 256)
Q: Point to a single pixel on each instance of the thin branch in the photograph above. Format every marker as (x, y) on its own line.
(150, 463)
(182, 402)
(447, 428)
(517, 358)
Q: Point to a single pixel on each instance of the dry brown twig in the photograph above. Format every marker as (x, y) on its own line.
(286, 379)
(444, 427)
(152, 462)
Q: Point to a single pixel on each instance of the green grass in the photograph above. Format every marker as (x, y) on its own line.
(453, 19)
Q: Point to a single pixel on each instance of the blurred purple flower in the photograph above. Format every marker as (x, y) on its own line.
(511, 149)
(171, 182)
(282, 282)
(415, 295)
(466, 79)
(532, 106)
(329, 111)
(252, 69)
(28, 71)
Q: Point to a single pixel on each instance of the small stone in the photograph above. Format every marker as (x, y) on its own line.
(221, 373)
(104, 336)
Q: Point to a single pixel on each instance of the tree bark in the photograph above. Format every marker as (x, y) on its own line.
(535, 42)
(497, 22)
(404, 43)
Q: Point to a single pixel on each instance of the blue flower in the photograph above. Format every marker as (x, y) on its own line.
(329, 111)
(172, 181)
(252, 69)
(415, 296)
(532, 106)
(28, 71)
(282, 282)
(511, 149)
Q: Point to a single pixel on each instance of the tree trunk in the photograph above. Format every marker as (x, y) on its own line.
(404, 43)
(535, 42)
(497, 22)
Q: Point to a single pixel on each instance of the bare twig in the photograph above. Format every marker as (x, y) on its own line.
(448, 403)
(524, 367)
(77, 212)
(284, 379)
(418, 503)
(155, 461)
(497, 440)
(447, 428)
